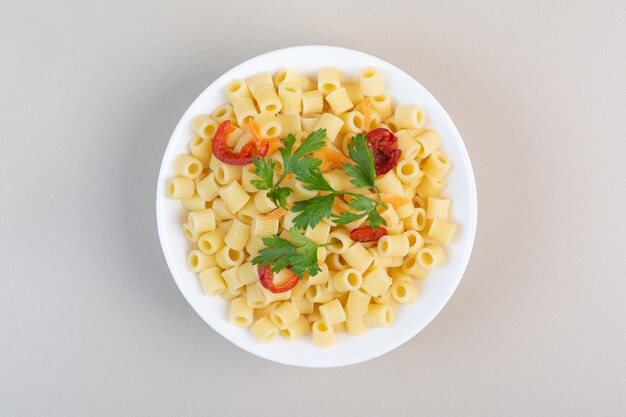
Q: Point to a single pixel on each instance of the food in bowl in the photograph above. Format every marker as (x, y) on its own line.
(313, 206)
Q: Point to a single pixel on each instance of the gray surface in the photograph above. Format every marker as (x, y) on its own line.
(91, 324)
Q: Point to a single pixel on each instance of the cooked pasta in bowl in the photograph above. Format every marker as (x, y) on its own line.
(316, 216)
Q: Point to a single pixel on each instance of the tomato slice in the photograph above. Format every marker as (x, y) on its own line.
(385, 149)
(227, 155)
(266, 277)
(367, 234)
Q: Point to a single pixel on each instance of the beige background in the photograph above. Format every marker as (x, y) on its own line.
(91, 323)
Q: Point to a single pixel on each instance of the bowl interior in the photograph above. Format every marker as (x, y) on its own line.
(435, 290)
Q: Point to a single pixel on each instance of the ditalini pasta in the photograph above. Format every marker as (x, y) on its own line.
(235, 209)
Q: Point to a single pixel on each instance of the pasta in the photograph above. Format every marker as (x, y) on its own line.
(339, 101)
(289, 76)
(211, 242)
(201, 221)
(267, 100)
(263, 227)
(284, 315)
(291, 98)
(309, 122)
(357, 302)
(200, 149)
(319, 233)
(289, 123)
(381, 104)
(223, 112)
(376, 282)
(211, 281)
(234, 197)
(268, 124)
(428, 187)
(404, 292)
(429, 142)
(208, 188)
(329, 79)
(352, 123)
(180, 188)
(187, 166)
(378, 315)
(256, 82)
(323, 334)
(347, 280)
(430, 256)
(332, 312)
(393, 246)
(312, 102)
(410, 117)
(437, 208)
(436, 166)
(371, 81)
(194, 203)
(231, 215)
(331, 123)
(245, 110)
(237, 235)
(355, 325)
(241, 313)
(441, 230)
(204, 126)
(296, 329)
(408, 145)
(264, 330)
(358, 257)
(199, 261)
(237, 89)
(228, 257)
(229, 295)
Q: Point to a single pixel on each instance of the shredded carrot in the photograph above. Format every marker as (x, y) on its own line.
(395, 199)
(340, 206)
(273, 143)
(367, 112)
(276, 214)
(254, 131)
(331, 158)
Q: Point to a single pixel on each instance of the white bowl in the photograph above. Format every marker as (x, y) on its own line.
(435, 290)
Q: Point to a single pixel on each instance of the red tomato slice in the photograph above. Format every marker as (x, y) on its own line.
(384, 147)
(227, 155)
(367, 234)
(266, 277)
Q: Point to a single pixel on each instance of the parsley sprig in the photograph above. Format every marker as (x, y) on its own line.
(306, 169)
(300, 255)
(362, 175)
(296, 162)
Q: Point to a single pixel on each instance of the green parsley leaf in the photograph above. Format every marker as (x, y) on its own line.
(374, 219)
(306, 166)
(314, 142)
(362, 173)
(346, 217)
(278, 252)
(265, 171)
(285, 151)
(313, 210)
(298, 162)
(314, 180)
(298, 237)
(279, 195)
(301, 254)
(364, 207)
